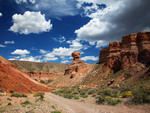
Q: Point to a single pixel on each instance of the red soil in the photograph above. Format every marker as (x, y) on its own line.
(11, 78)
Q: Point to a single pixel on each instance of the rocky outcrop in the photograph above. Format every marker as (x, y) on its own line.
(132, 49)
(76, 65)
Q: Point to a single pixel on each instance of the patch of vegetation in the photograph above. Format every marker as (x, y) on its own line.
(141, 96)
(11, 91)
(26, 103)
(42, 81)
(49, 81)
(56, 112)
(84, 96)
(113, 102)
(100, 99)
(9, 104)
(126, 94)
(18, 95)
(2, 91)
(40, 95)
(9, 99)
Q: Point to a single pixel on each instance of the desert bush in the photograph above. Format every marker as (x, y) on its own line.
(9, 104)
(124, 88)
(141, 96)
(126, 94)
(113, 102)
(92, 91)
(100, 99)
(56, 112)
(18, 95)
(94, 95)
(2, 91)
(11, 91)
(9, 99)
(50, 80)
(77, 97)
(84, 96)
(69, 96)
(42, 81)
(83, 91)
(26, 103)
(40, 95)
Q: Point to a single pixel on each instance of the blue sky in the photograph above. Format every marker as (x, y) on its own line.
(49, 30)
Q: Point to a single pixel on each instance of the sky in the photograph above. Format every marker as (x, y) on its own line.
(50, 30)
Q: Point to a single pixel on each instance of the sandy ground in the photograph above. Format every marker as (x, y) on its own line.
(56, 103)
(73, 106)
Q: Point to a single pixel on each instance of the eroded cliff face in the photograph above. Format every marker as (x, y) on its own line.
(131, 49)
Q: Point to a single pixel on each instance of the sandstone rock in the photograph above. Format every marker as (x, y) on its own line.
(76, 67)
(132, 49)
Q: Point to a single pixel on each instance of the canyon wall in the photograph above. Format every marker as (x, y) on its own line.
(131, 49)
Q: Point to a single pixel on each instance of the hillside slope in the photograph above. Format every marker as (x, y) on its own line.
(11, 78)
(37, 67)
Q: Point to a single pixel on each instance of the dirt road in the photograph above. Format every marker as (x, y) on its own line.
(73, 106)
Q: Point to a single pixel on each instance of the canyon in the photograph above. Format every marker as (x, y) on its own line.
(128, 59)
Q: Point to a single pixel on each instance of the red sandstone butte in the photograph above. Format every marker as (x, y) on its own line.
(11, 78)
(131, 49)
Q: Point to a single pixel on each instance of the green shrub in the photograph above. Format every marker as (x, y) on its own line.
(94, 95)
(113, 102)
(126, 94)
(100, 99)
(49, 80)
(76, 97)
(84, 96)
(18, 95)
(69, 96)
(9, 104)
(42, 81)
(83, 91)
(2, 91)
(11, 91)
(141, 96)
(75, 92)
(9, 99)
(92, 91)
(56, 112)
(26, 103)
(40, 95)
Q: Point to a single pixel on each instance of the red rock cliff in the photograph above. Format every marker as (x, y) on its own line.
(121, 55)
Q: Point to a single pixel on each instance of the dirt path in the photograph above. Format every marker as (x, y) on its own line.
(73, 106)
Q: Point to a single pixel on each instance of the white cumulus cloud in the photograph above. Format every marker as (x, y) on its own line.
(1, 14)
(9, 42)
(30, 22)
(65, 61)
(20, 52)
(1, 45)
(60, 39)
(42, 51)
(92, 58)
(25, 1)
(27, 58)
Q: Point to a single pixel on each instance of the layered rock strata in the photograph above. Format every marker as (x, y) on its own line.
(131, 49)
